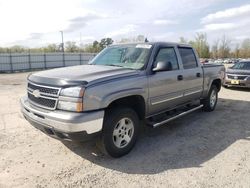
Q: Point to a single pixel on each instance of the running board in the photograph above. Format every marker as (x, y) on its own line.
(177, 116)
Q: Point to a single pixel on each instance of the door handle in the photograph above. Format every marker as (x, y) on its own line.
(198, 74)
(180, 77)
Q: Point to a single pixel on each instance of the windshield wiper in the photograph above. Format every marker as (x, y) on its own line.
(114, 65)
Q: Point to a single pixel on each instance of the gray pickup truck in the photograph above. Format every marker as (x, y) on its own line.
(123, 86)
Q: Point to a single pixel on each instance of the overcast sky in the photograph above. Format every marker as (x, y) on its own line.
(35, 23)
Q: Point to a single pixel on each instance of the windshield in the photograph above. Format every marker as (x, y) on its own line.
(128, 56)
(242, 66)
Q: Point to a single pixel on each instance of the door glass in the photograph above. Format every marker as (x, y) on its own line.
(188, 58)
(168, 55)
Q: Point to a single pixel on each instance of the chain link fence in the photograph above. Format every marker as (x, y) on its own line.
(13, 62)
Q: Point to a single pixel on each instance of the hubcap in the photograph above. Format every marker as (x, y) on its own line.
(213, 98)
(123, 132)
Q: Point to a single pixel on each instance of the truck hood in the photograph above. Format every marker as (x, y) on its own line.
(82, 74)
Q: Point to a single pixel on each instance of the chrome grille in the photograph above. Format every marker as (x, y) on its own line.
(42, 101)
(44, 89)
(43, 96)
(236, 77)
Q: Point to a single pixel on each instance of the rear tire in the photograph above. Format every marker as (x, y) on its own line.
(211, 100)
(120, 131)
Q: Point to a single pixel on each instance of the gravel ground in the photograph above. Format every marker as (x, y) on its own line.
(199, 150)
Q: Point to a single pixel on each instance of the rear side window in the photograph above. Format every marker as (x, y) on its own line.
(188, 58)
(168, 55)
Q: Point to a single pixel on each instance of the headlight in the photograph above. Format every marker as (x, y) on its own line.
(72, 92)
(70, 106)
(71, 99)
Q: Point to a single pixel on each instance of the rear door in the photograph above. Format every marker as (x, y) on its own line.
(165, 89)
(192, 74)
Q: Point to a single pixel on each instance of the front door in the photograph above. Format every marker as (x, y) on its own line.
(165, 88)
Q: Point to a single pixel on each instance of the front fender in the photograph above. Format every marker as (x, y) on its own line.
(99, 96)
(108, 99)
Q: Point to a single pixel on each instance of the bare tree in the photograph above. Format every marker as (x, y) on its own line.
(215, 49)
(236, 52)
(183, 40)
(224, 50)
(71, 47)
(245, 48)
(201, 45)
(138, 38)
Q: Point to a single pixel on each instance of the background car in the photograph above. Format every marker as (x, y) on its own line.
(238, 75)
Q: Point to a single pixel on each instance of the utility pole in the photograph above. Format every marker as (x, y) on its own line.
(80, 46)
(62, 41)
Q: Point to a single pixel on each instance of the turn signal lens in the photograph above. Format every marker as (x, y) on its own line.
(79, 107)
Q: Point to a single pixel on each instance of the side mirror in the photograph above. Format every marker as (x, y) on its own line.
(163, 66)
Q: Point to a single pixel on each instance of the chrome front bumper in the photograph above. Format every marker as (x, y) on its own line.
(62, 121)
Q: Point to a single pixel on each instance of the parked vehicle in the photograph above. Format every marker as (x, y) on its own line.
(203, 61)
(238, 75)
(219, 61)
(121, 87)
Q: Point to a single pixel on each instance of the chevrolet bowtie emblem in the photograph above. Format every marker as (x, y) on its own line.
(36, 93)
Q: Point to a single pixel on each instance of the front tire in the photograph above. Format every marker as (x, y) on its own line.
(120, 131)
(211, 100)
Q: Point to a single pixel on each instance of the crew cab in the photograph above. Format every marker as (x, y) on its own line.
(121, 87)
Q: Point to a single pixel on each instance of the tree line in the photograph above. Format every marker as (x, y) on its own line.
(220, 48)
(69, 46)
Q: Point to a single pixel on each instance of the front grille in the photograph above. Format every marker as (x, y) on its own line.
(43, 89)
(42, 101)
(237, 77)
(47, 97)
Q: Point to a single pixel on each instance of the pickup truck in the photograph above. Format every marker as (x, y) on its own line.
(124, 87)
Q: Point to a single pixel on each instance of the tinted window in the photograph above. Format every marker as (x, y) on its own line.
(188, 58)
(242, 66)
(168, 55)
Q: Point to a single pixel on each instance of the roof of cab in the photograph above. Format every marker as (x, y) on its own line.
(155, 44)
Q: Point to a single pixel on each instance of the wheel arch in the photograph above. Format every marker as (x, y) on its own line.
(136, 102)
(217, 83)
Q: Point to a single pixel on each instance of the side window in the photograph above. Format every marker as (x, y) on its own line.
(188, 58)
(168, 55)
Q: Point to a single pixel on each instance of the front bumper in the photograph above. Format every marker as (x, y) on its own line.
(241, 83)
(62, 124)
